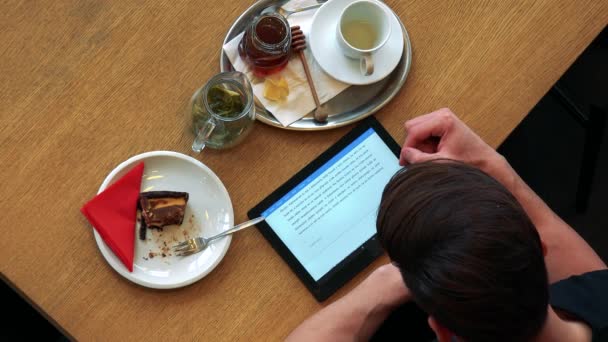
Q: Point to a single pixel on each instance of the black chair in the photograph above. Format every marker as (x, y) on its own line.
(593, 122)
(583, 92)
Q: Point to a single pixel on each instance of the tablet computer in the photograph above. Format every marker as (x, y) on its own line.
(322, 221)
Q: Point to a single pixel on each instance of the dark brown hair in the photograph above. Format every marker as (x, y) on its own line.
(466, 249)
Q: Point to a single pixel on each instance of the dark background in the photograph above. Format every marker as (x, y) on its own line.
(546, 149)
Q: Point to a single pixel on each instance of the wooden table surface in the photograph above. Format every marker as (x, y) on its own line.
(86, 84)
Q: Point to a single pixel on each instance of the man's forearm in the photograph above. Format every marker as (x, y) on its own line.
(351, 318)
(567, 253)
(357, 315)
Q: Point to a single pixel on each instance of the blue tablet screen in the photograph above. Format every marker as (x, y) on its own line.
(333, 211)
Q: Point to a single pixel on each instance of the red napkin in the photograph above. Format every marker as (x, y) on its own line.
(113, 212)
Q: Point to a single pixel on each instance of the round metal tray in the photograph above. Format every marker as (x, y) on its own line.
(353, 104)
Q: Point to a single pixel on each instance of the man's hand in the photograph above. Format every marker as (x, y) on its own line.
(441, 134)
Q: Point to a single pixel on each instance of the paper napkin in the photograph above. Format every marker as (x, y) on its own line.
(113, 213)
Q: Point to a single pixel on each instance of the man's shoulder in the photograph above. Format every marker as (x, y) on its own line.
(584, 296)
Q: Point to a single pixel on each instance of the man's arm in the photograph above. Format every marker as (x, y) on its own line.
(358, 314)
(567, 253)
(442, 135)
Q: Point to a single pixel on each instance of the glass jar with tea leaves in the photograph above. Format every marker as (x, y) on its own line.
(223, 111)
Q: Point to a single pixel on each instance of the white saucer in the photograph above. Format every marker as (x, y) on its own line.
(208, 212)
(325, 49)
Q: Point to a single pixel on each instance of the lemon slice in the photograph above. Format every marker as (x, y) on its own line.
(276, 89)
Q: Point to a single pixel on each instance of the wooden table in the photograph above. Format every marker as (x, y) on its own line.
(86, 84)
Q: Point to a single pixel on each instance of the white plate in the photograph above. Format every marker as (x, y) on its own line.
(209, 211)
(325, 49)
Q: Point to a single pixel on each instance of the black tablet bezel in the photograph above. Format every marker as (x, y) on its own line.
(362, 256)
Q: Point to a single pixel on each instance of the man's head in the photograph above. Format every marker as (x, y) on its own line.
(467, 251)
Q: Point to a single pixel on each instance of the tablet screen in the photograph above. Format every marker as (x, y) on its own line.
(333, 211)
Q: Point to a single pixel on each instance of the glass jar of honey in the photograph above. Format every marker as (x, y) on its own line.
(266, 44)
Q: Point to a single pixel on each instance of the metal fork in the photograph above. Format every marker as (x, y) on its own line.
(198, 244)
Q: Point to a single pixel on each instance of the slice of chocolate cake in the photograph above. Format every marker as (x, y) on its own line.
(162, 208)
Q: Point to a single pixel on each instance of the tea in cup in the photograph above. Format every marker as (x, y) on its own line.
(363, 28)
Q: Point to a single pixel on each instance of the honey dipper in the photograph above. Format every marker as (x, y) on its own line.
(298, 44)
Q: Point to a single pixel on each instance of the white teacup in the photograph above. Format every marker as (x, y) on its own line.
(363, 28)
